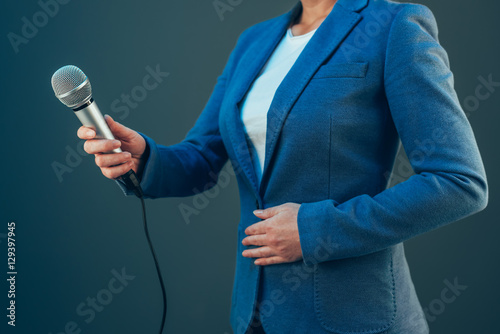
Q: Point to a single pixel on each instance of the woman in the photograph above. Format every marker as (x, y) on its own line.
(310, 110)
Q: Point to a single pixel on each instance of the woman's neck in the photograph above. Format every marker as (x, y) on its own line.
(313, 14)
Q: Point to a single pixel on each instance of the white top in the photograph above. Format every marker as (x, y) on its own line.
(257, 101)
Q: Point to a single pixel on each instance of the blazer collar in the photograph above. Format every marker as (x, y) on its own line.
(353, 5)
(336, 26)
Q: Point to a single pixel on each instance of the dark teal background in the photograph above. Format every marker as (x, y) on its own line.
(71, 234)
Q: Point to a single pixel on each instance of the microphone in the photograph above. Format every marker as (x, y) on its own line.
(72, 87)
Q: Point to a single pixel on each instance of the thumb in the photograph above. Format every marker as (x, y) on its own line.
(120, 131)
(267, 213)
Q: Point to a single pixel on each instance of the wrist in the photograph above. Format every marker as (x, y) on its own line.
(140, 162)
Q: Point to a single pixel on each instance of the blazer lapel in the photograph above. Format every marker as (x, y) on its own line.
(251, 63)
(327, 38)
(337, 25)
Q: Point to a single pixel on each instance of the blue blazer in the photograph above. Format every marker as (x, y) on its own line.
(373, 76)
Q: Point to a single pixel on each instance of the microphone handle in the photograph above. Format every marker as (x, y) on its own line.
(90, 116)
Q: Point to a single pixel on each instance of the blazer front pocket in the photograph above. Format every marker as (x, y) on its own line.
(356, 295)
(342, 70)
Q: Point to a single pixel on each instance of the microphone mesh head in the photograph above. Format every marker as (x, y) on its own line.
(71, 86)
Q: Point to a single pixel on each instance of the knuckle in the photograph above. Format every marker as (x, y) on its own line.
(124, 168)
(120, 170)
(281, 249)
(120, 158)
(98, 160)
(105, 145)
(269, 228)
(273, 239)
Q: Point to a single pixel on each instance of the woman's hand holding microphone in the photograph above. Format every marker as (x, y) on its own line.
(113, 165)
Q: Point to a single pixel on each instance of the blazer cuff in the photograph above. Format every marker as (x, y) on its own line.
(313, 221)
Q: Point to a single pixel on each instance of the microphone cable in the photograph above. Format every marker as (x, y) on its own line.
(132, 182)
(72, 87)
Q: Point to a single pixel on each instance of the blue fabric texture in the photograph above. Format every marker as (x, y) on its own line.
(373, 76)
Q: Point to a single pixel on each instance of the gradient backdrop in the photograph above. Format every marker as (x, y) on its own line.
(74, 229)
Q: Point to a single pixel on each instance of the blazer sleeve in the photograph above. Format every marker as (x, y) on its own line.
(192, 166)
(449, 182)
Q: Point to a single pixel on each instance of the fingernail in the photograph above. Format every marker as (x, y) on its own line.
(89, 133)
(257, 212)
(116, 143)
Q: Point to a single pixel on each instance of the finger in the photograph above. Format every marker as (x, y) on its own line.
(269, 260)
(108, 160)
(85, 133)
(269, 212)
(115, 172)
(119, 130)
(96, 146)
(257, 228)
(256, 240)
(258, 252)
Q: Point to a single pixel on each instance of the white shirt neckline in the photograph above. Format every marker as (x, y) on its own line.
(258, 99)
(292, 37)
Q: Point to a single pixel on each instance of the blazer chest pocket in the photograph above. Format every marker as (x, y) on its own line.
(356, 295)
(342, 70)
